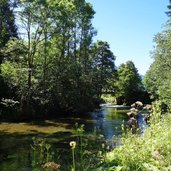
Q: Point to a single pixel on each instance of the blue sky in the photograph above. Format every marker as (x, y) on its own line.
(129, 26)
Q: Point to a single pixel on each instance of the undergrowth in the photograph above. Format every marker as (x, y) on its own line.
(149, 152)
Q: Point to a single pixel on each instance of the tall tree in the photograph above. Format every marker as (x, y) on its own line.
(8, 30)
(129, 83)
(104, 66)
(158, 77)
(55, 65)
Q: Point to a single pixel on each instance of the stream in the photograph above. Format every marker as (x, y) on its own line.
(17, 152)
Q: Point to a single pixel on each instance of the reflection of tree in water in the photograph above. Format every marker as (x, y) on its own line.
(109, 122)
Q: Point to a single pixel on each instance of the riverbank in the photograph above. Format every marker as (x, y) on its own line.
(151, 151)
(17, 139)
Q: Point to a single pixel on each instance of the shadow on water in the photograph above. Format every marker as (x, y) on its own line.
(15, 145)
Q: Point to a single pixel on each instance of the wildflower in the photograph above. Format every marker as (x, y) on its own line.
(51, 165)
(156, 155)
(72, 144)
(139, 103)
(133, 110)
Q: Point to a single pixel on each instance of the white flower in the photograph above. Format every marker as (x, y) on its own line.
(72, 144)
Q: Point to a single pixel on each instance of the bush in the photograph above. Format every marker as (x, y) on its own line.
(149, 152)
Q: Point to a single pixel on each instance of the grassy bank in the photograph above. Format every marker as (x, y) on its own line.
(149, 152)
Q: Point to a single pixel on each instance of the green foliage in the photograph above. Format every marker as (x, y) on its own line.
(86, 152)
(158, 78)
(54, 66)
(14, 75)
(42, 156)
(104, 68)
(156, 112)
(8, 28)
(129, 87)
(141, 153)
(108, 98)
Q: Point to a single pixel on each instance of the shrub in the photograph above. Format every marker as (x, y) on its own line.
(149, 152)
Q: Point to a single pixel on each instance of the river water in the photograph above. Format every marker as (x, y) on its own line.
(18, 151)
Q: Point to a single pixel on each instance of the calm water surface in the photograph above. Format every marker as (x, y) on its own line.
(16, 152)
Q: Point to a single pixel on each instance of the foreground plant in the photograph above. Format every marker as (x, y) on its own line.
(73, 145)
(151, 151)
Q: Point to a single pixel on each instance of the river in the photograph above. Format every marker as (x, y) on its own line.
(17, 144)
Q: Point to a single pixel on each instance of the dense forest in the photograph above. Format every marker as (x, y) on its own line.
(51, 64)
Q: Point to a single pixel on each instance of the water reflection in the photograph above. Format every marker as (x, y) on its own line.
(16, 152)
(109, 121)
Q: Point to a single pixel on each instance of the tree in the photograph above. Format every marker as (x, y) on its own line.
(8, 30)
(55, 67)
(158, 77)
(104, 66)
(128, 85)
(73, 65)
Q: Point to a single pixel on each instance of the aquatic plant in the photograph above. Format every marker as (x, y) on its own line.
(88, 153)
(42, 155)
